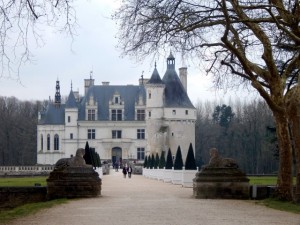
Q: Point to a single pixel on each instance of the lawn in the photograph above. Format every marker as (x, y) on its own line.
(22, 181)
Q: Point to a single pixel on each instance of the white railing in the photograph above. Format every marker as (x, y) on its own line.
(182, 177)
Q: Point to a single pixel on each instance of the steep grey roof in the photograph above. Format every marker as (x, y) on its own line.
(155, 78)
(104, 93)
(175, 94)
(71, 102)
(54, 114)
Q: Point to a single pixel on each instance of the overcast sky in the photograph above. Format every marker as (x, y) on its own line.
(94, 49)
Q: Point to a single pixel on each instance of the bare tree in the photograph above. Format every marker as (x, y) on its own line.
(22, 24)
(256, 42)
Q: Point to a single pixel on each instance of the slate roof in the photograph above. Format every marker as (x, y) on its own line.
(175, 94)
(155, 78)
(54, 114)
(71, 102)
(103, 94)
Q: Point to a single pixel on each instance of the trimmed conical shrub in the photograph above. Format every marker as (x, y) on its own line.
(149, 162)
(178, 164)
(190, 162)
(146, 162)
(162, 160)
(152, 161)
(169, 163)
(156, 161)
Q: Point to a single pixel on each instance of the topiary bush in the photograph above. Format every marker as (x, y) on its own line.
(162, 160)
(190, 162)
(178, 164)
(156, 161)
(169, 163)
(146, 162)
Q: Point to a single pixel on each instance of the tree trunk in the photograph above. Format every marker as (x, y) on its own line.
(284, 182)
(293, 111)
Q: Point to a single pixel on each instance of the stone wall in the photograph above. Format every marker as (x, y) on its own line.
(11, 197)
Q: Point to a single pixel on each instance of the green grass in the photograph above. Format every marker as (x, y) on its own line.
(22, 181)
(280, 205)
(28, 209)
(263, 180)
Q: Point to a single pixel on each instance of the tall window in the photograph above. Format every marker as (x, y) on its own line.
(69, 119)
(71, 135)
(42, 142)
(140, 114)
(48, 142)
(91, 114)
(140, 133)
(149, 95)
(91, 134)
(56, 142)
(116, 134)
(149, 113)
(116, 114)
(116, 100)
(140, 153)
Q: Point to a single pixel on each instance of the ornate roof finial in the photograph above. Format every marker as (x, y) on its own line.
(142, 76)
(155, 64)
(91, 74)
(71, 85)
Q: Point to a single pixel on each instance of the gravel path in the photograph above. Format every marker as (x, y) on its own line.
(141, 201)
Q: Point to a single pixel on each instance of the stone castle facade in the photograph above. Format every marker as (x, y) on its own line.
(121, 122)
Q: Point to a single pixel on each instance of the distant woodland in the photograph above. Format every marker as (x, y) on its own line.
(240, 130)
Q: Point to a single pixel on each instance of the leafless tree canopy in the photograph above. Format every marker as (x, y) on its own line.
(22, 24)
(255, 40)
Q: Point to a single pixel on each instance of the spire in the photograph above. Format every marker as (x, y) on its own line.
(57, 94)
(171, 61)
(155, 78)
(71, 85)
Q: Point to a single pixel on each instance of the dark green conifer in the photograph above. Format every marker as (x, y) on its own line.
(169, 163)
(162, 160)
(190, 162)
(178, 164)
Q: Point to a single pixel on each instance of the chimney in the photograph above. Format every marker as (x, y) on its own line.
(183, 77)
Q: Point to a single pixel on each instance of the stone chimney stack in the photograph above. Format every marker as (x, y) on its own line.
(183, 77)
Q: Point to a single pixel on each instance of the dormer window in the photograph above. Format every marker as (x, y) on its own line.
(116, 100)
(149, 95)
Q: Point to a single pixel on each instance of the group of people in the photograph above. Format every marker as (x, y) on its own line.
(127, 170)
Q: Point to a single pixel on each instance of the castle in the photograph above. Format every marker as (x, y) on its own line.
(121, 122)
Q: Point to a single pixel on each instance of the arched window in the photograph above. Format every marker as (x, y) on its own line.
(56, 142)
(48, 141)
(42, 142)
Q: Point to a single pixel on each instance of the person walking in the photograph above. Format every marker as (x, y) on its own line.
(129, 171)
(124, 171)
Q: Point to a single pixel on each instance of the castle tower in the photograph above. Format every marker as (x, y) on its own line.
(154, 112)
(179, 112)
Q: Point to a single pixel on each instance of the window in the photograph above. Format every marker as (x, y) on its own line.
(174, 112)
(71, 135)
(149, 113)
(140, 153)
(116, 134)
(91, 133)
(186, 112)
(140, 114)
(69, 119)
(149, 95)
(42, 142)
(116, 100)
(91, 114)
(140, 133)
(56, 142)
(48, 142)
(116, 114)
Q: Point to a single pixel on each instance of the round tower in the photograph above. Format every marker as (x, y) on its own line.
(154, 112)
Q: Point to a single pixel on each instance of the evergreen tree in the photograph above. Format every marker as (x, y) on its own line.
(156, 161)
(87, 156)
(152, 161)
(149, 162)
(190, 162)
(178, 160)
(169, 163)
(146, 162)
(162, 160)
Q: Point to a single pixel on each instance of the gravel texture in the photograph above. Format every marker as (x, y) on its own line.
(142, 201)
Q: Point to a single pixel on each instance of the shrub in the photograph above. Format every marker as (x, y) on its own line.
(146, 162)
(156, 161)
(169, 163)
(178, 160)
(190, 162)
(152, 161)
(162, 160)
